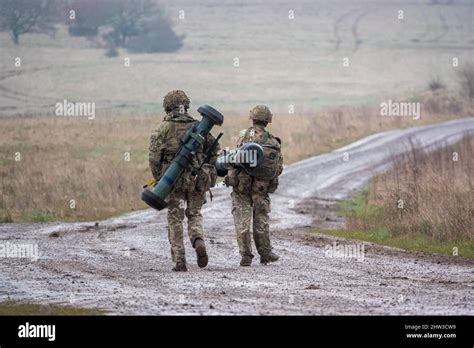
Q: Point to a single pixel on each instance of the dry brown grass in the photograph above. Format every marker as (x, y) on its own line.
(466, 80)
(425, 194)
(67, 158)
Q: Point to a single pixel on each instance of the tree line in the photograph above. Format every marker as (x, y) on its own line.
(137, 25)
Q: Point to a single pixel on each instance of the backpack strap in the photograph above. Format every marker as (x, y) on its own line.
(266, 135)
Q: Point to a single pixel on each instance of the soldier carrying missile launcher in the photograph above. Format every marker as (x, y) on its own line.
(191, 186)
(252, 185)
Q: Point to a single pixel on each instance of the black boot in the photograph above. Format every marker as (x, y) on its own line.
(270, 257)
(180, 267)
(246, 261)
(202, 258)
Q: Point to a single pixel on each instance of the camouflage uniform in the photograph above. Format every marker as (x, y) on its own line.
(250, 198)
(164, 144)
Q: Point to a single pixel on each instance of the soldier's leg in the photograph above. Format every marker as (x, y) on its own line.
(175, 226)
(195, 200)
(261, 223)
(242, 213)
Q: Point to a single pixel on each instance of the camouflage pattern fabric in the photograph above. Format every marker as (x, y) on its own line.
(251, 201)
(176, 211)
(248, 207)
(176, 100)
(185, 200)
(261, 113)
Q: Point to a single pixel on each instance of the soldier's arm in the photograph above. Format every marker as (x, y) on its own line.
(155, 155)
(280, 165)
(280, 160)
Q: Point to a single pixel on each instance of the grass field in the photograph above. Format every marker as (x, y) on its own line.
(71, 168)
(76, 169)
(282, 61)
(407, 242)
(424, 203)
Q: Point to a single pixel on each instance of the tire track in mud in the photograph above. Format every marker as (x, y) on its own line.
(357, 39)
(337, 29)
(12, 94)
(42, 101)
(23, 98)
(445, 28)
(425, 33)
(7, 93)
(46, 101)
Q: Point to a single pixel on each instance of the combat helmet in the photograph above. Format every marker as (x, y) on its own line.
(261, 113)
(175, 99)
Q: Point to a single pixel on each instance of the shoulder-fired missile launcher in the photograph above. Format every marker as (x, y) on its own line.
(248, 157)
(155, 196)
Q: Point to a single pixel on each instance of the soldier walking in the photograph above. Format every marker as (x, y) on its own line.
(189, 193)
(250, 194)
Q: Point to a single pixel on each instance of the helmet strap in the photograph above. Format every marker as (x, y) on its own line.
(259, 123)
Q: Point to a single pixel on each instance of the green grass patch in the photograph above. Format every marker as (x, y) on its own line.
(17, 308)
(359, 207)
(412, 243)
(37, 216)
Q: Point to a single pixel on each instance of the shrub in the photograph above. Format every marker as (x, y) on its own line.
(466, 79)
(436, 84)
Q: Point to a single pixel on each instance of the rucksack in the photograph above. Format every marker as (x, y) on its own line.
(268, 169)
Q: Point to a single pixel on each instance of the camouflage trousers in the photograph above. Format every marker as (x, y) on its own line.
(193, 201)
(245, 208)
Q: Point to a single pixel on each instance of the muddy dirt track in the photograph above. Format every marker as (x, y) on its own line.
(123, 264)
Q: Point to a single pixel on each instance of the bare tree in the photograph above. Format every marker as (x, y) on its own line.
(89, 16)
(23, 16)
(127, 19)
(140, 26)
